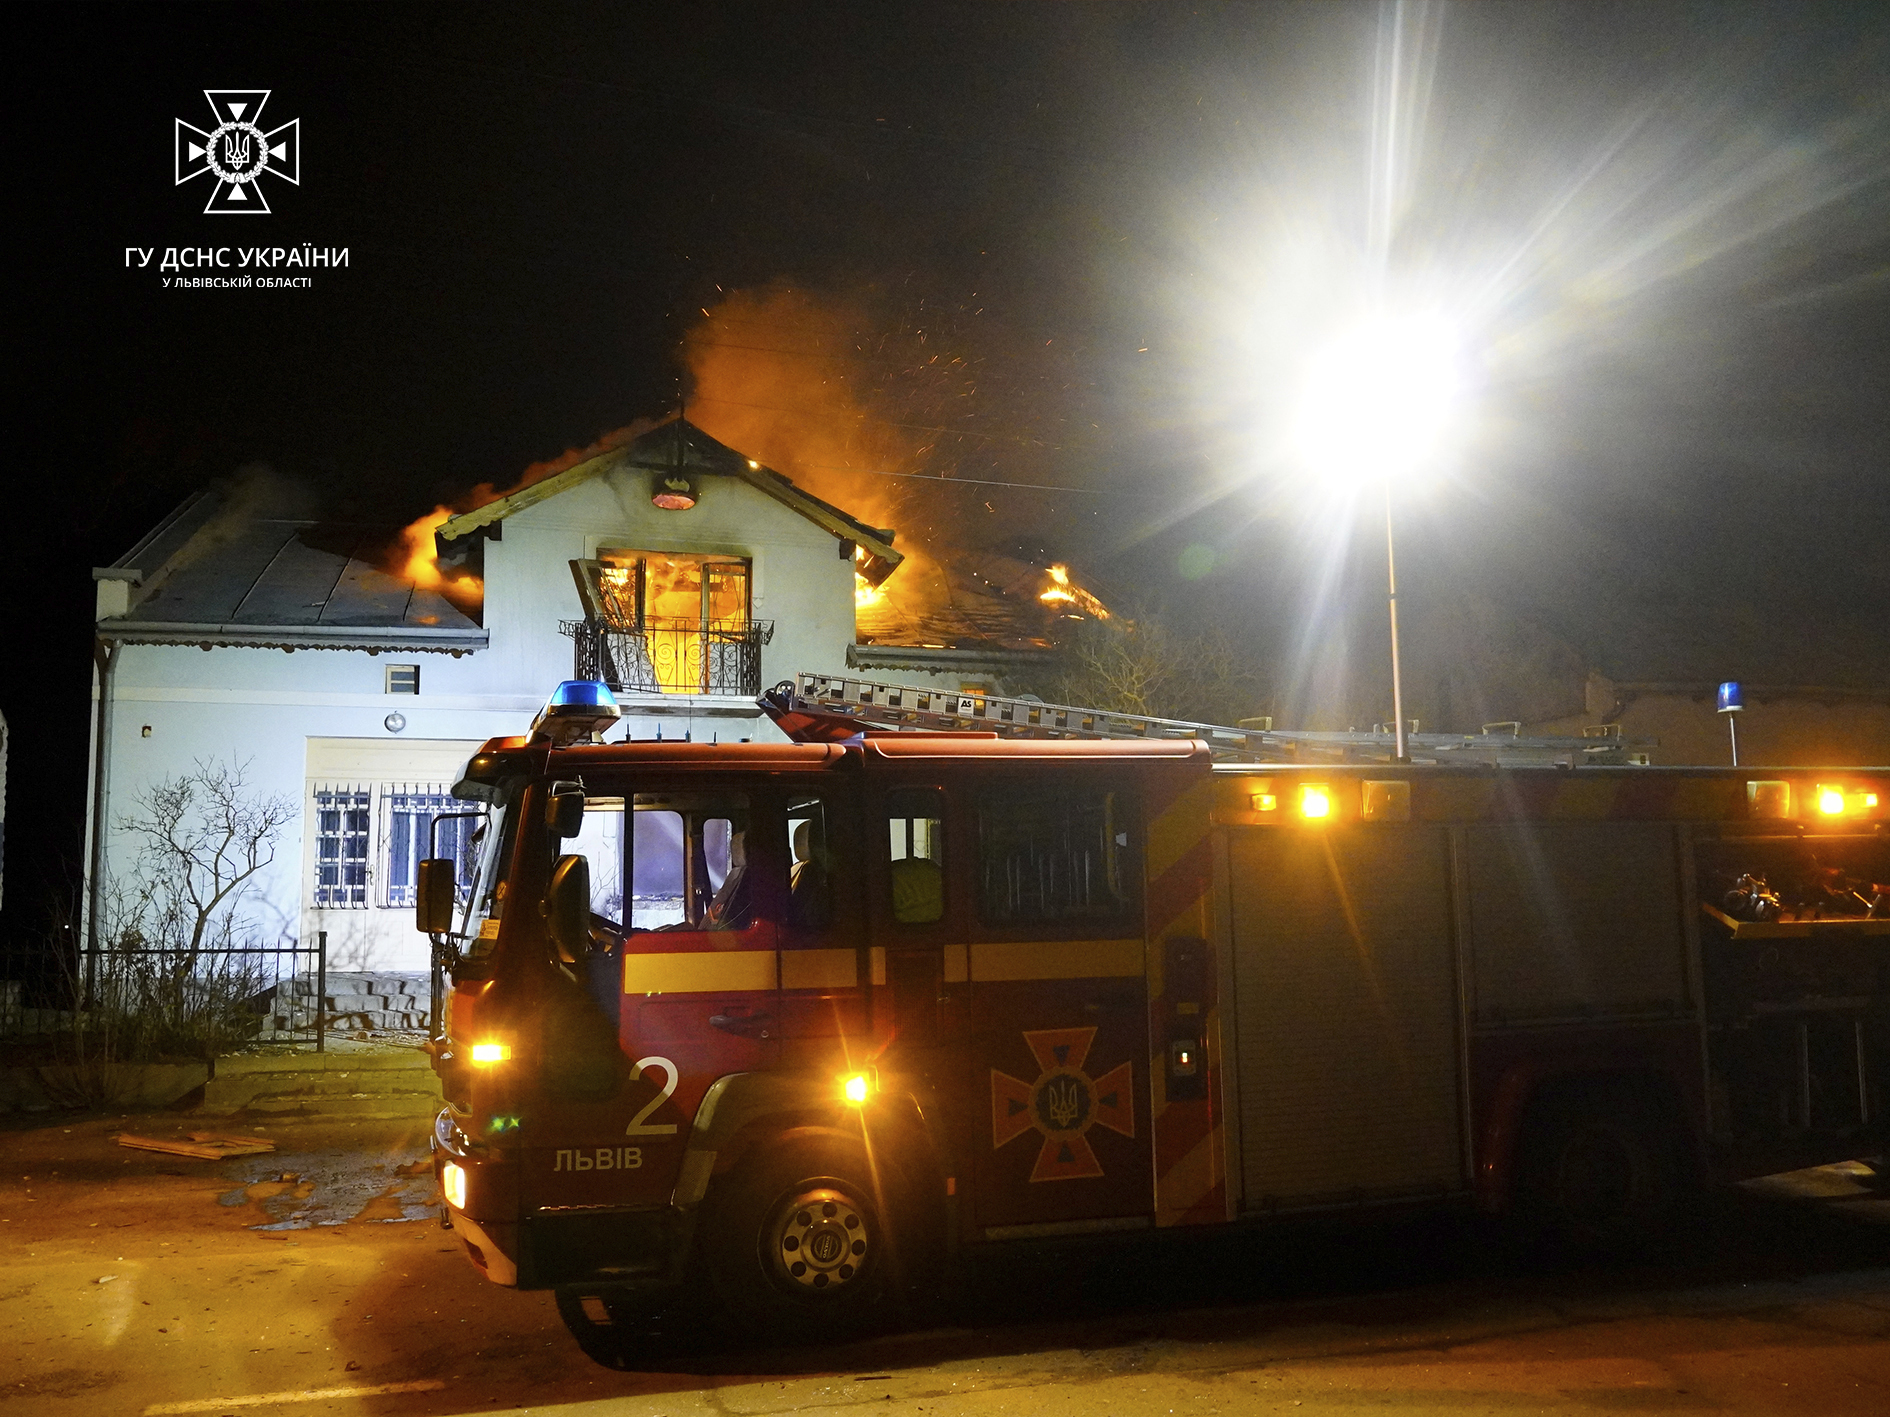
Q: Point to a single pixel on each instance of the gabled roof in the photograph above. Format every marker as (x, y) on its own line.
(209, 574)
(679, 445)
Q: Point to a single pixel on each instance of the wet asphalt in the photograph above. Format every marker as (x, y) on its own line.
(315, 1279)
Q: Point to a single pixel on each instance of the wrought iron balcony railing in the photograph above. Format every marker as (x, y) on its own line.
(671, 656)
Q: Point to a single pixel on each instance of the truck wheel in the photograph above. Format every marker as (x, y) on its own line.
(797, 1243)
(1601, 1172)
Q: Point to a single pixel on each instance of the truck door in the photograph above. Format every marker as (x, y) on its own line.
(917, 914)
(700, 970)
(1055, 963)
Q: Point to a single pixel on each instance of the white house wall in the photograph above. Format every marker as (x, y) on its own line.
(800, 581)
(280, 713)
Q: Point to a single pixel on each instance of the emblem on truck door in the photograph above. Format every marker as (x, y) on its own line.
(1062, 1104)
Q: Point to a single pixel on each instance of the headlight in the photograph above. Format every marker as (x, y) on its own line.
(453, 1184)
(491, 1052)
(855, 1088)
(1315, 801)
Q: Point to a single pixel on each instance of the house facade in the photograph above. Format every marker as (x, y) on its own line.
(680, 571)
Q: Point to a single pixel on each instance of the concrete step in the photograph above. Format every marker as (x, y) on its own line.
(354, 1001)
(337, 982)
(355, 1082)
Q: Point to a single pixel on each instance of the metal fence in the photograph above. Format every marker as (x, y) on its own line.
(671, 656)
(137, 1001)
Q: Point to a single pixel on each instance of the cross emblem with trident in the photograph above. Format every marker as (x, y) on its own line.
(238, 152)
(1062, 1104)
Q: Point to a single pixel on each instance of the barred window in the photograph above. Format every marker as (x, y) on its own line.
(409, 838)
(343, 820)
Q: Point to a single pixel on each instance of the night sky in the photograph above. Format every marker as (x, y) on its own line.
(1076, 245)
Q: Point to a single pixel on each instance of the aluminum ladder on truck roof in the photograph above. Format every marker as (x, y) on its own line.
(827, 707)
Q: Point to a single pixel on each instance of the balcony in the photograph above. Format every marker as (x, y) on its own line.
(671, 656)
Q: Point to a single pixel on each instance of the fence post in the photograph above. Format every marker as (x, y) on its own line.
(321, 991)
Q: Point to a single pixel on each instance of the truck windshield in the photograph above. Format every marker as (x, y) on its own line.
(485, 901)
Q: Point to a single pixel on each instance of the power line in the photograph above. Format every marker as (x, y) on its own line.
(911, 427)
(975, 481)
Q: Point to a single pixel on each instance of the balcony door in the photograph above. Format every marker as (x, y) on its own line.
(677, 623)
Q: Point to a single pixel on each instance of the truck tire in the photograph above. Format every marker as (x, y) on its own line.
(1601, 1171)
(797, 1241)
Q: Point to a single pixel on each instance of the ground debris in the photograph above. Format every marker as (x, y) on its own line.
(204, 1146)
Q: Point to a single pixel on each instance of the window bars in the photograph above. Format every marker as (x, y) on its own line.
(343, 826)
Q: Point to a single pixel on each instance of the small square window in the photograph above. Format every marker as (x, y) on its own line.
(1386, 801)
(403, 678)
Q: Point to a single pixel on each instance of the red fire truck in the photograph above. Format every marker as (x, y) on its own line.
(803, 1021)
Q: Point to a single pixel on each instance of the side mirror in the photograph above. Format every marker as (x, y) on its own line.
(433, 896)
(564, 809)
(568, 907)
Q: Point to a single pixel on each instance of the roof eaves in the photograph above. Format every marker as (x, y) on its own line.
(876, 540)
(940, 661)
(372, 638)
(495, 511)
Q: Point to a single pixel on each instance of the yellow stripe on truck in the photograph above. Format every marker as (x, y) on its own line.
(1002, 961)
(820, 969)
(706, 972)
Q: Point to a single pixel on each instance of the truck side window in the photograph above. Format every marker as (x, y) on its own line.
(689, 862)
(915, 824)
(1049, 854)
(810, 873)
(601, 842)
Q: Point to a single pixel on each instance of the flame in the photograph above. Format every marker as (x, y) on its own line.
(419, 564)
(775, 372)
(865, 593)
(1063, 591)
(414, 555)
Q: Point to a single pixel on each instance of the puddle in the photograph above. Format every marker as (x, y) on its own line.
(304, 1190)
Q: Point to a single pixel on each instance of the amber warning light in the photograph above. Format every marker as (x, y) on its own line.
(1835, 800)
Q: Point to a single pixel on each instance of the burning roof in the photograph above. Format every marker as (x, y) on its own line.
(216, 572)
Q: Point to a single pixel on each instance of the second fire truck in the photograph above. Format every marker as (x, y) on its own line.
(801, 1022)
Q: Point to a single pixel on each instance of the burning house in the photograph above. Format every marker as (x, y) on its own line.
(355, 677)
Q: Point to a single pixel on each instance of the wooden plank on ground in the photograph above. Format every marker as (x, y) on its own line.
(201, 1150)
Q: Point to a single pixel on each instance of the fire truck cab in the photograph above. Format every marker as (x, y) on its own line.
(803, 1021)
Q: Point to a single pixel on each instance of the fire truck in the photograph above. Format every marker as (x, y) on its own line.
(802, 1024)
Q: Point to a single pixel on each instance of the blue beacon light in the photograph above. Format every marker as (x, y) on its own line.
(1730, 703)
(579, 710)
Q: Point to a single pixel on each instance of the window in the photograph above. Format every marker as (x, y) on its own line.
(403, 678)
(810, 868)
(687, 614)
(601, 842)
(915, 826)
(1049, 855)
(342, 824)
(689, 862)
(409, 838)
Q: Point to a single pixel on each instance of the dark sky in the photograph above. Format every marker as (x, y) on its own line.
(1119, 223)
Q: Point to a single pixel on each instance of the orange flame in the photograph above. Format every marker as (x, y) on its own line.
(1063, 591)
(419, 563)
(774, 372)
(414, 556)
